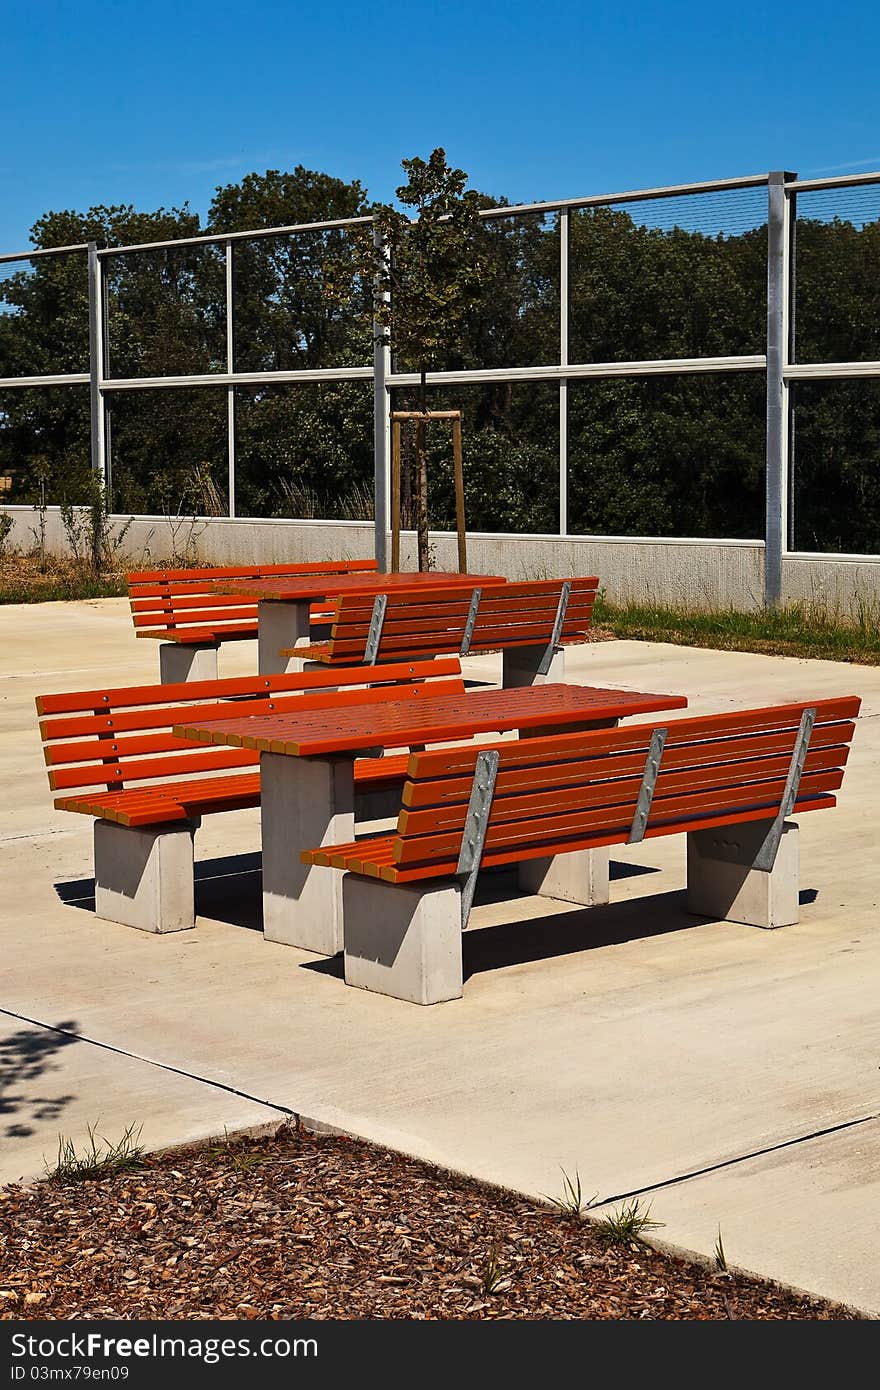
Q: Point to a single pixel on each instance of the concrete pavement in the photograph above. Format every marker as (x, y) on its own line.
(730, 1074)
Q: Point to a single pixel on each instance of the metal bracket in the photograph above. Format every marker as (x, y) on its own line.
(467, 635)
(766, 856)
(374, 636)
(473, 837)
(646, 790)
(561, 607)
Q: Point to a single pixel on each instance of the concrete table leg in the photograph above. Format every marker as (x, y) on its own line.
(580, 877)
(520, 667)
(280, 625)
(305, 802)
(179, 661)
(403, 940)
(144, 875)
(723, 883)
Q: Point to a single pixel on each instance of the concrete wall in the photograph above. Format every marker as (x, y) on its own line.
(693, 573)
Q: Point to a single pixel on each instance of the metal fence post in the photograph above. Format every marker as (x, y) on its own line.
(779, 284)
(564, 219)
(96, 368)
(230, 392)
(381, 428)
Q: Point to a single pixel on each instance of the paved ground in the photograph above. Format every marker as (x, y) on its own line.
(730, 1073)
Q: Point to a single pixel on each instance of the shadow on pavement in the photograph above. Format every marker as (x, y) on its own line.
(26, 1056)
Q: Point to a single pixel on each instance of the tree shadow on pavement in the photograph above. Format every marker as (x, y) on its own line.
(27, 1055)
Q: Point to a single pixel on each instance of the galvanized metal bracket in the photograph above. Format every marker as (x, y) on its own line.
(646, 790)
(374, 636)
(561, 608)
(467, 635)
(476, 822)
(766, 856)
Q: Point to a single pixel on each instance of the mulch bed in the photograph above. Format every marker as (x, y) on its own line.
(306, 1226)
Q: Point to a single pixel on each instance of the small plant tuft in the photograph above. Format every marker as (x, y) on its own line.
(493, 1280)
(627, 1225)
(720, 1257)
(572, 1203)
(99, 1159)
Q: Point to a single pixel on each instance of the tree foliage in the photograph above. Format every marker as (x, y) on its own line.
(677, 455)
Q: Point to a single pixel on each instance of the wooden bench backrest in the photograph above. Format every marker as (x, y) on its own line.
(507, 615)
(112, 738)
(168, 600)
(579, 791)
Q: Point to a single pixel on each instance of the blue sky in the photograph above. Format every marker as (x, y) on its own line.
(156, 103)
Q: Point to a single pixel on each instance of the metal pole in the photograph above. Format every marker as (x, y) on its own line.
(778, 398)
(230, 392)
(381, 426)
(96, 367)
(564, 218)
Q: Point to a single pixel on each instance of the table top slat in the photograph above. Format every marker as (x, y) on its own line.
(424, 718)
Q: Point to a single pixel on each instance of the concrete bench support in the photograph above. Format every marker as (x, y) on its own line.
(144, 875)
(190, 661)
(520, 667)
(581, 877)
(403, 940)
(304, 801)
(280, 625)
(722, 881)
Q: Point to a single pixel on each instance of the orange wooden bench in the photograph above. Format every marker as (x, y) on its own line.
(111, 755)
(529, 622)
(729, 781)
(180, 608)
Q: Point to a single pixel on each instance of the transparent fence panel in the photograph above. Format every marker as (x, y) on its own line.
(667, 456)
(836, 488)
(669, 277)
(837, 275)
(516, 322)
(44, 316)
(305, 451)
(45, 440)
(299, 302)
(510, 452)
(168, 452)
(166, 312)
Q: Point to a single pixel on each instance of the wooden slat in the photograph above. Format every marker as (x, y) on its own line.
(250, 571)
(427, 716)
(739, 816)
(461, 761)
(673, 809)
(69, 702)
(515, 777)
(542, 801)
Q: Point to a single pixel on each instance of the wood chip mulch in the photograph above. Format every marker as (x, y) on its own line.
(306, 1226)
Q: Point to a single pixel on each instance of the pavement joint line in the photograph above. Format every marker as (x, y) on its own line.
(738, 1159)
(149, 1061)
(289, 1111)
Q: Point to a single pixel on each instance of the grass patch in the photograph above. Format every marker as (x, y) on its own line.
(99, 1158)
(626, 1225)
(572, 1202)
(800, 630)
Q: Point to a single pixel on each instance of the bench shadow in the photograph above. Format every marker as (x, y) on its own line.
(230, 889)
(27, 1055)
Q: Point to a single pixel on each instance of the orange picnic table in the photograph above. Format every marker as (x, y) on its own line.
(307, 775)
(283, 602)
